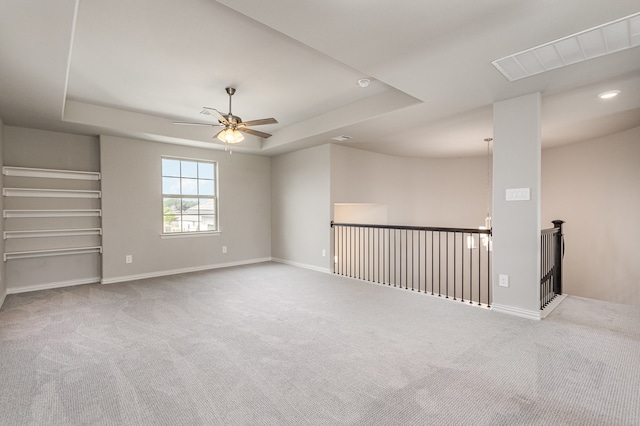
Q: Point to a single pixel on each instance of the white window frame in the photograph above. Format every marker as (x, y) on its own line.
(181, 195)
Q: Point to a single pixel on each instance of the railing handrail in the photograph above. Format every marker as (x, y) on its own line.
(416, 228)
(442, 261)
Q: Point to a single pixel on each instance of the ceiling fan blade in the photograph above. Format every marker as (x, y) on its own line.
(254, 132)
(187, 123)
(215, 114)
(260, 122)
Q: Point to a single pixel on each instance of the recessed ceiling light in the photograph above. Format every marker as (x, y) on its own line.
(608, 95)
(364, 82)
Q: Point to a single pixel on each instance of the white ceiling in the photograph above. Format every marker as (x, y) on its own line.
(132, 67)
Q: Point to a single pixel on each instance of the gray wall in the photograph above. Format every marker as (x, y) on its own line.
(516, 224)
(595, 187)
(301, 209)
(132, 211)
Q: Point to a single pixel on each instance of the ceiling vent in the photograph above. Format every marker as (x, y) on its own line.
(342, 138)
(608, 38)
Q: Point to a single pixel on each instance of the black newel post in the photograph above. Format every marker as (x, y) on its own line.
(558, 251)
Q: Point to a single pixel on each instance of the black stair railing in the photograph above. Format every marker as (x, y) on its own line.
(448, 262)
(551, 254)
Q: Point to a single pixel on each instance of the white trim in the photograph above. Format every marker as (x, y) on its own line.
(52, 213)
(49, 173)
(189, 234)
(52, 252)
(48, 286)
(51, 193)
(302, 265)
(43, 233)
(519, 312)
(552, 305)
(124, 278)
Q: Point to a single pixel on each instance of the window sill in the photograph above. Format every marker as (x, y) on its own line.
(190, 234)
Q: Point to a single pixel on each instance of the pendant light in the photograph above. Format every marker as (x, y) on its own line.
(486, 241)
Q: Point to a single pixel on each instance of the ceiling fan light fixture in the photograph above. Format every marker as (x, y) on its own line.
(230, 136)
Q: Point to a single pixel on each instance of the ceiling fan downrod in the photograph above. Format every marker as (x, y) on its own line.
(230, 92)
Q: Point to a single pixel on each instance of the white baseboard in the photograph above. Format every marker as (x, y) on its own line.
(48, 286)
(519, 312)
(156, 274)
(301, 265)
(552, 305)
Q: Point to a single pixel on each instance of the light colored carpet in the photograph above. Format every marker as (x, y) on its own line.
(271, 344)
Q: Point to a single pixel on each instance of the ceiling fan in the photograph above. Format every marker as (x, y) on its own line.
(233, 125)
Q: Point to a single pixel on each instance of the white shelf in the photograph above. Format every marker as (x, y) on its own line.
(44, 233)
(49, 173)
(54, 252)
(50, 193)
(52, 213)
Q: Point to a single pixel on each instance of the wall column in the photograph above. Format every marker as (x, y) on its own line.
(516, 206)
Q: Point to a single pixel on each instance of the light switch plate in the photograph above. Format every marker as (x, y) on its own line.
(518, 194)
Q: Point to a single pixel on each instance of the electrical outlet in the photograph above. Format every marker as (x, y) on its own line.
(224, 249)
(503, 280)
(128, 258)
(324, 253)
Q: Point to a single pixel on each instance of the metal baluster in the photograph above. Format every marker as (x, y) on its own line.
(489, 271)
(455, 264)
(447, 263)
(462, 263)
(471, 271)
(419, 258)
(479, 269)
(394, 258)
(406, 259)
(439, 264)
(433, 283)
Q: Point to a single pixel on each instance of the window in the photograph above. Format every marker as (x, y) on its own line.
(189, 199)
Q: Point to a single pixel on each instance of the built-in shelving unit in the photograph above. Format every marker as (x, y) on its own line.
(49, 193)
(53, 252)
(44, 233)
(27, 209)
(49, 173)
(52, 213)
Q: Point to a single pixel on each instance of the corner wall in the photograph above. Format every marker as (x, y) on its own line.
(301, 208)
(594, 186)
(132, 212)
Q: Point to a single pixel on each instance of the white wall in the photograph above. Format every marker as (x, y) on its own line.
(301, 208)
(595, 187)
(132, 211)
(448, 192)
